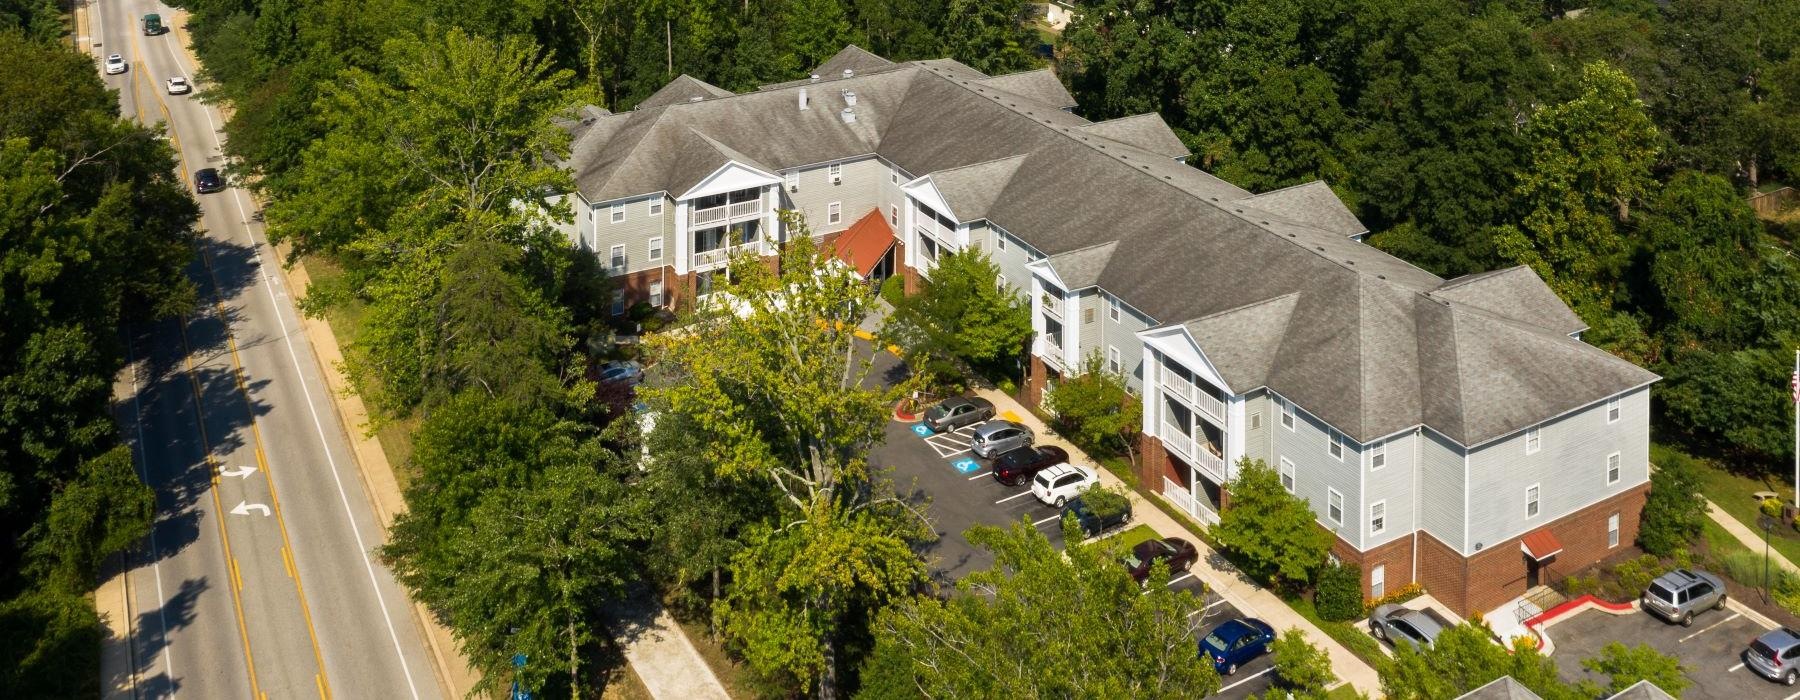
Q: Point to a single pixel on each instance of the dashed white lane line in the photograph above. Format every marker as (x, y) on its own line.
(1016, 495)
(1247, 679)
(1709, 628)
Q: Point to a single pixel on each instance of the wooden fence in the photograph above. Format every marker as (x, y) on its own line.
(1774, 201)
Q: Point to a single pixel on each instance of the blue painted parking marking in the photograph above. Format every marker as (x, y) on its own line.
(921, 431)
(965, 465)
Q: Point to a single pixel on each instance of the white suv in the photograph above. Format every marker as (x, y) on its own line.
(1056, 485)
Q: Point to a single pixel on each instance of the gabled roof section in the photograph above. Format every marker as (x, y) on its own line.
(1243, 342)
(1517, 293)
(1502, 688)
(1146, 131)
(971, 190)
(1039, 85)
(1313, 204)
(852, 58)
(684, 88)
(1080, 269)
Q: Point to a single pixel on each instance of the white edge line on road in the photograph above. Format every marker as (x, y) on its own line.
(237, 194)
(1045, 520)
(1008, 498)
(1709, 628)
(1246, 679)
(162, 601)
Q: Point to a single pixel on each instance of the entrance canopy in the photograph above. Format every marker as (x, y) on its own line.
(1540, 545)
(865, 243)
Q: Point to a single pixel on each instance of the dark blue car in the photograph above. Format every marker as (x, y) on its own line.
(1235, 643)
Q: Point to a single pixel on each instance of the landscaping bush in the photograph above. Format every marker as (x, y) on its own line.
(893, 289)
(1636, 574)
(1398, 595)
(1743, 566)
(1339, 596)
(1008, 387)
(1674, 511)
(1771, 507)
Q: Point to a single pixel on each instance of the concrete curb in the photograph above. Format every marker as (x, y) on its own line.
(1541, 621)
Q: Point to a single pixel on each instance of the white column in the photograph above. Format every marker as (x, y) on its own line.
(682, 245)
(1234, 434)
(1037, 316)
(908, 236)
(1152, 392)
(1071, 333)
(771, 198)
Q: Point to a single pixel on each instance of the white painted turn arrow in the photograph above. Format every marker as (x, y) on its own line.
(245, 508)
(243, 471)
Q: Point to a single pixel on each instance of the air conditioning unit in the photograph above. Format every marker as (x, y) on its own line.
(837, 179)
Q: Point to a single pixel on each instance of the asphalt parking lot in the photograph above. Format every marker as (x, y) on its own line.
(1710, 649)
(963, 493)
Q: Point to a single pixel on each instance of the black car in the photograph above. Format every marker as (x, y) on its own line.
(1092, 521)
(207, 181)
(957, 412)
(1016, 466)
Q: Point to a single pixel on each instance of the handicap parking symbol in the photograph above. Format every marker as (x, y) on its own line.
(920, 430)
(965, 465)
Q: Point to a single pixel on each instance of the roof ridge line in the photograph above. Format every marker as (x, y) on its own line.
(1238, 308)
(1293, 186)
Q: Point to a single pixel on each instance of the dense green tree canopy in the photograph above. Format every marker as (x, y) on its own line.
(1274, 532)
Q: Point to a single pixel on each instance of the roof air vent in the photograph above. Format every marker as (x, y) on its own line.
(695, 98)
(815, 77)
(849, 115)
(849, 73)
(850, 97)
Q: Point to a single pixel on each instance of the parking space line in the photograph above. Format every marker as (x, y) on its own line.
(1792, 697)
(1008, 498)
(982, 474)
(1247, 679)
(1709, 628)
(1045, 520)
(1210, 606)
(1734, 669)
(1183, 577)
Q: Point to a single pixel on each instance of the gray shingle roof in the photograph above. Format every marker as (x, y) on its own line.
(853, 58)
(1271, 286)
(1502, 688)
(684, 88)
(1312, 203)
(1038, 85)
(1643, 690)
(1146, 131)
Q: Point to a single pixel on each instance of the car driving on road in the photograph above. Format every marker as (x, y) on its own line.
(178, 86)
(997, 436)
(1235, 643)
(1401, 625)
(208, 180)
(115, 64)
(1016, 466)
(956, 412)
(1178, 553)
(1056, 485)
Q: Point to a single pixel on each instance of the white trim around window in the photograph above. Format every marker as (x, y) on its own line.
(1612, 531)
(834, 212)
(894, 215)
(1378, 581)
(1337, 444)
(616, 258)
(835, 172)
(1532, 507)
(656, 293)
(1112, 309)
(656, 206)
(1377, 455)
(793, 179)
(1612, 468)
(1287, 475)
(1377, 518)
(655, 252)
(1334, 506)
(618, 212)
(618, 302)
(1534, 440)
(1000, 282)
(1612, 411)
(1287, 414)
(1112, 359)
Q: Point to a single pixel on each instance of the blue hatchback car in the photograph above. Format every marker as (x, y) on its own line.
(1235, 643)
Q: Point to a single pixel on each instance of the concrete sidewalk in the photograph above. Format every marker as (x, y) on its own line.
(1746, 535)
(1212, 568)
(660, 652)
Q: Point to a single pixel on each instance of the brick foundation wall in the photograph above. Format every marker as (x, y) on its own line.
(1153, 461)
(1395, 556)
(1444, 573)
(1035, 376)
(637, 285)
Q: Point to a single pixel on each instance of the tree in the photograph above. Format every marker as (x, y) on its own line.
(1703, 241)
(1059, 626)
(1465, 657)
(1096, 410)
(1274, 531)
(1625, 666)
(1301, 669)
(1674, 513)
(988, 35)
(961, 312)
(778, 390)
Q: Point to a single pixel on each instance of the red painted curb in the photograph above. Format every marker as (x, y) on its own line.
(1564, 609)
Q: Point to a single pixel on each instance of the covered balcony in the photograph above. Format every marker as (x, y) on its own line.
(1198, 442)
(718, 244)
(723, 207)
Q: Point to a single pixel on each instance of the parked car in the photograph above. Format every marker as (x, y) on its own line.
(1677, 595)
(1776, 656)
(1179, 553)
(178, 86)
(997, 436)
(1094, 518)
(953, 413)
(1401, 625)
(1016, 466)
(1235, 643)
(627, 371)
(1056, 485)
(207, 180)
(115, 64)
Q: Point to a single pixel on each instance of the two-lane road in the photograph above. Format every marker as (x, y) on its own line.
(259, 579)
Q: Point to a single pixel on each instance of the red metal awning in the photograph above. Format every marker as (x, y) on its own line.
(1540, 545)
(864, 244)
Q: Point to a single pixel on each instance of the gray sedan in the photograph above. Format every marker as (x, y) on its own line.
(997, 436)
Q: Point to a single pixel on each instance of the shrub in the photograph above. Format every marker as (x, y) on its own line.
(1636, 574)
(1008, 387)
(1398, 595)
(1339, 595)
(1771, 507)
(1577, 586)
(1674, 511)
(1275, 534)
(893, 289)
(1743, 566)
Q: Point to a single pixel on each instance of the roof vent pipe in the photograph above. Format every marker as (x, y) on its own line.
(848, 72)
(804, 105)
(849, 115)
(815, 77)
(850, 97)
(695, 98)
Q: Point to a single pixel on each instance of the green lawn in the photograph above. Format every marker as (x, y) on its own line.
(1131, 537)
(1731, 493)
(1362, 645)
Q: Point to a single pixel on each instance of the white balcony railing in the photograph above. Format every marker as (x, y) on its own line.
(1182, 388)
(724, 212)
(1050, 351)
(1195, 452)
(1051, 304)
(1178, 494)
(721, 254)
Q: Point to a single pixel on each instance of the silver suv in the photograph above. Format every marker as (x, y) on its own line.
(1776, 656)
(1677, 595)
(997, 436)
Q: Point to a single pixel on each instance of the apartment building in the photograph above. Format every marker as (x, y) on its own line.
(1455, 433)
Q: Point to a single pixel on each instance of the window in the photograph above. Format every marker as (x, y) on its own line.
(656, 207)
(1087, 315)
(1256, 420)
(1378, 581)
(1112, 359)
(1377, 517)
(656, 293)
(836, 172)
(1377, 456)
(999, 241)
(793, 180)
(655, 249)
(1000, 282)
(1337, 445)
(618, 302)
(1612, 531)
(1534, 440)
(1612, 469)
(1287, 415)
(1287, 475)
(1612, 410)
(894, 175)
(618, 212)
(618, 258)
(893, 215)
(1112, 309)
(1334, 506)
(1531, 501)
(834, 212)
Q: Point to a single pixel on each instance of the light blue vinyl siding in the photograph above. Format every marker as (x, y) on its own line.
(860, 189)
(634, 232)
(1258, 438)
(1315, 470)
(1441, 494)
